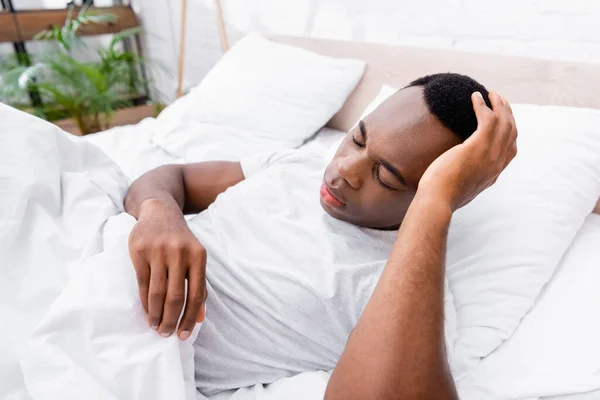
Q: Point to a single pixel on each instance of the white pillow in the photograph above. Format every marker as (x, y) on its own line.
(506, 244)
(270, 90)
(556, 349)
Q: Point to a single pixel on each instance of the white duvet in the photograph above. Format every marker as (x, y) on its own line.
(56, 194)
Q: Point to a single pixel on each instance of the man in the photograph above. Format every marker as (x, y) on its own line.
(352, 281)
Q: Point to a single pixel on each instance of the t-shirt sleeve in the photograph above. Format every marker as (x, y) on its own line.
(258, 162)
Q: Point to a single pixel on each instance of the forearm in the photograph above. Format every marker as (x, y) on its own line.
(397, 349)
(164, 184)
(190, 188)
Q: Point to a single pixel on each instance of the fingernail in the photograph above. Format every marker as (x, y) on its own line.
(165, 334)
(479, 95)
(155, 327)
(184, 335)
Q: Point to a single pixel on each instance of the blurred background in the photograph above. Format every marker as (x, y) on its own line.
(555, 29)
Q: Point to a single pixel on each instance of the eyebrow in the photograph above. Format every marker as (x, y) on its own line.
(393, 170)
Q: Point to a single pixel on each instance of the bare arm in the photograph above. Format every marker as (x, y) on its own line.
(161, 244)
(192, 187)
(397, 349)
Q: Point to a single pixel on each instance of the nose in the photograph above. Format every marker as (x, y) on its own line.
(351, 169)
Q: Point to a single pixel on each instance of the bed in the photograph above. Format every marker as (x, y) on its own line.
(179, 138)
(521, 80)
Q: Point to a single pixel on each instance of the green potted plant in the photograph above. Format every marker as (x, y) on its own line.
(75, 81)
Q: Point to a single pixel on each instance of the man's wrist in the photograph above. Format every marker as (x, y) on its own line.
(434, 203)
(154, 206)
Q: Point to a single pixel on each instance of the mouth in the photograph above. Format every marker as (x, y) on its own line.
(329, 197)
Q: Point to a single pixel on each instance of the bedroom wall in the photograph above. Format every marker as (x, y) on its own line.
(554, 29)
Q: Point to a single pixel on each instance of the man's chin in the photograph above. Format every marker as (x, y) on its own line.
(338, 213)
(333, 211)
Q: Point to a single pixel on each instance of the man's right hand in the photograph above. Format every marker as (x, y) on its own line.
(464, 171)
(165, 253)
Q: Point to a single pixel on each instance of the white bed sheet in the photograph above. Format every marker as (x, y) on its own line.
(132, 148)
(595, 395)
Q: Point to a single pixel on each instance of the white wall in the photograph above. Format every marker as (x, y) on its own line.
(556, 29)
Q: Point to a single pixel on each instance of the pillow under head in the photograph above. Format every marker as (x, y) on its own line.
(505, 245)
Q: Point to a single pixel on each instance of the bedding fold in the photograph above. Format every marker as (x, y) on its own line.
(56, 193)
(95, 343)
(76, 327)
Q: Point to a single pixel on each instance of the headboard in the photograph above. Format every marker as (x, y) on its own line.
(519, 79)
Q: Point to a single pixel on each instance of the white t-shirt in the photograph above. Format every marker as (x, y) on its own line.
(287, 283)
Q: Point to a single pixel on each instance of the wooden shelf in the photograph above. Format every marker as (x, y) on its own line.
(8, 32)
(32, 22)
(125, 116)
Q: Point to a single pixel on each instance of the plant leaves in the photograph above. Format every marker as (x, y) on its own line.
(84, 89)
(124, 34)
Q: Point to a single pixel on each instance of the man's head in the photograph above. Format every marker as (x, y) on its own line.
(375, 172)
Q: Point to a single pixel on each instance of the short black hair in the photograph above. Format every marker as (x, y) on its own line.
(448, 97)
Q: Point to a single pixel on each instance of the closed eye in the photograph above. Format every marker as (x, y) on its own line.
(377, 178)
(363, 133)
(356, 142)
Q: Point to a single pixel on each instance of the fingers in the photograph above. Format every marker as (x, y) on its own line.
(156, 295)
(505, 124)
(511, 152)
(496, 131)
(508, 105)
(142, 272)
(195, 298)
(496, 100)
(511, 155)
(482, 111)
(499, 123)
(174, 300)
(486, 119)
(500, 138)
(162, 262)
(202, 315)
(508, 130)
